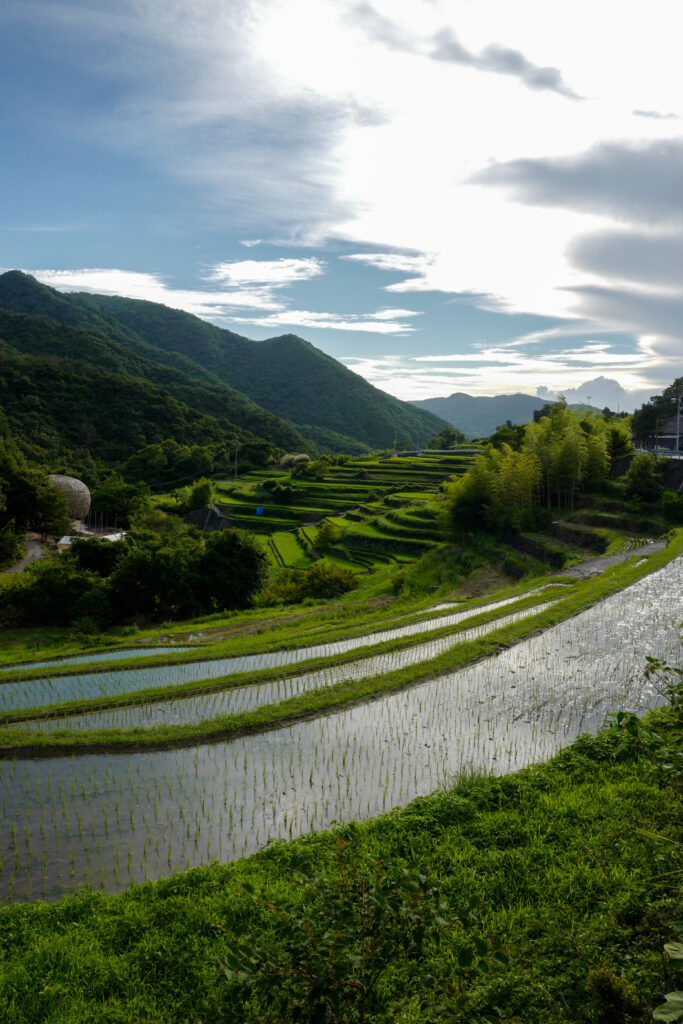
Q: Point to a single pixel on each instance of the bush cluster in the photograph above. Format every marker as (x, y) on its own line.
(162, 570)
(322, 580)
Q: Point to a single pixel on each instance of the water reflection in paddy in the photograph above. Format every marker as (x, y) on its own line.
(188, 710)
(107, 820)
(89, 659)
(38, 692)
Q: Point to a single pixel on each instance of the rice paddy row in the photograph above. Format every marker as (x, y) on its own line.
(324, 625)
(267, 699)
(108, 820)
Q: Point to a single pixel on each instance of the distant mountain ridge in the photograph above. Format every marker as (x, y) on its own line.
(287, 378)
(478, 416)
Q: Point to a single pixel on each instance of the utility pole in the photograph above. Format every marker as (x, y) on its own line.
(678, 419)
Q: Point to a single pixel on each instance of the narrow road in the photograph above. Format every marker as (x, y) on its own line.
(594, 566)
(34, 551)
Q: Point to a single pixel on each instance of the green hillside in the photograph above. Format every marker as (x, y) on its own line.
(286, 375)
(60, 408)
(328, 404)
(21, 293)
(42, 337)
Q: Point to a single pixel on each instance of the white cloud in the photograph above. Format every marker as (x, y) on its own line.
(392, 261)
(275, 273)
(591, 353)
(385, 321)
(253, 104)
(502, 370)
(154, 288)
(600, 391)
(222, 305)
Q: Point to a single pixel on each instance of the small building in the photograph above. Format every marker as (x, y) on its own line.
(667, 433)
(208, 520)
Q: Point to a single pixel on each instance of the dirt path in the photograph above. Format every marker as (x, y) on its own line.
(594, 566)
(34, 551)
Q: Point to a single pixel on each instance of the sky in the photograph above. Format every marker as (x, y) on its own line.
(445, 195)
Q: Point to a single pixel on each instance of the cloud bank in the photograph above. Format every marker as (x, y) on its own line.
(263, 297)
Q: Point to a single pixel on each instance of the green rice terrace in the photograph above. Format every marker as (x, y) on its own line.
(382, 509)
(440, 715)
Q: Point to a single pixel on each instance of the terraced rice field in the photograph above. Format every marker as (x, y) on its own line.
(246, 698)
(49, 691)
(364, 497)
(89, 659)
(105, 820)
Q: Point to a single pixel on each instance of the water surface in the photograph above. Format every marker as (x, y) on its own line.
(110, 819)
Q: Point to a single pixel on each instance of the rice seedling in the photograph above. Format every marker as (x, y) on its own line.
(48, 691)
(496, 715)
(233, 701)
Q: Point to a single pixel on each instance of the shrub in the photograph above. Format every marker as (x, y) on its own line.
(329, 534)
(162, 570)
(51, 593)
(311, 470)
(613, 997)
(293, 459)
(672, 508)
(99, 556)
(200, 494)
(12, 546)
(552, 554)
(642, 478)
(322, 580)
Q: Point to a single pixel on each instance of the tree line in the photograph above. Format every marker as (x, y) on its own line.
(541, 466)
(163, 569)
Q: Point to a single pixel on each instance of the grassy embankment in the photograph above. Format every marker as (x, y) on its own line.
(15, 742)
(574, 865)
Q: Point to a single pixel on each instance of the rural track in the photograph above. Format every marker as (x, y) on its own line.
(595, 566)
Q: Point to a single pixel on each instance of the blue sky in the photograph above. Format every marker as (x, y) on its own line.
(446, 195)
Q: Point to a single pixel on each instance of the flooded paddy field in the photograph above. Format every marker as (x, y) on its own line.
(187, 710)
(46, 691)
(91, 659)
(106, 820)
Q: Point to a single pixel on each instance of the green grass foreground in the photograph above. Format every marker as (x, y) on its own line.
(573, 869)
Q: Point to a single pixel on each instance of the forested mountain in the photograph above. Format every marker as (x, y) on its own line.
(63, 409)
(40, 336)
(287, 376)
(21, 293)
(479, 416)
